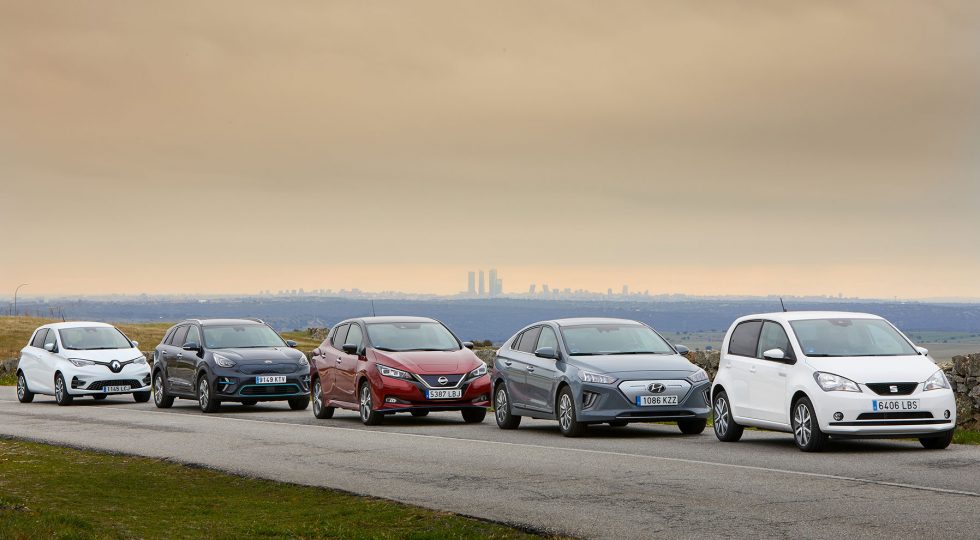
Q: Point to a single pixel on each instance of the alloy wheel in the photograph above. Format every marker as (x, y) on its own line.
(721, 417)
(500, 405)
(202, 392)
(59, 388)
(21, 387)
(317, 400)
(365, 402)
(803, 428)
(158, 389)
(565, 412)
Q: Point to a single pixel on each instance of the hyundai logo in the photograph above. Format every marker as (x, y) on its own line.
(115, 366)
(443, 381)
(657, 388)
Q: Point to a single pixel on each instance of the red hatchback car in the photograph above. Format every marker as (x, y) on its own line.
(386, 365)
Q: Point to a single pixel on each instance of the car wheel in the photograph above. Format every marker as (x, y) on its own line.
(141, 397)
(24, 394)
(369, 416)
(567, 418)
(692, 426)
(160, 397)
(249, 402)
(205, 397)
(806, 430)
(100, 397)
(299, 403)
(726, 429)
(501, 408)
(474, 416)
(319, 411)
(61, 394)
(937, 443)
(417, 413)
(618, 423)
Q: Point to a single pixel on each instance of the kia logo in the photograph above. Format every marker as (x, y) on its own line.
(443, 381)
(657, 388)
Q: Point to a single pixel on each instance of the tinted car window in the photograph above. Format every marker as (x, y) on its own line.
(50, 339)
(745, 339)
(178, 338)
(340, 335)
(38, 340)
(167, 337)
(354, 336)
(547, 338)
(773, 337)
(528, 340)
(193, 336)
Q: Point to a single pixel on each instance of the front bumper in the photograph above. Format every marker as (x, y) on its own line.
(607, 403)
(92, 380)
(398, 395)
(935, 412)
(231, 385)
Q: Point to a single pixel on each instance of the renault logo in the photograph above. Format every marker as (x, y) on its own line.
(657, 388)
(443, 381)
(115, 366)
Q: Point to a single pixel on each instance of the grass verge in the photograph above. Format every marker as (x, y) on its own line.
(53, 492)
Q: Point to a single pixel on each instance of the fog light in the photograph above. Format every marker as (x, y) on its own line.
(946, 414)
(390, 400)
(589, 399)
(78, 383)
(838, 416)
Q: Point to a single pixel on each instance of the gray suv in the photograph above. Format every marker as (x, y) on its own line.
(592, 371)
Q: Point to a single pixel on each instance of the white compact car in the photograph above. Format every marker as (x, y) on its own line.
(74, 359)
(828, 374)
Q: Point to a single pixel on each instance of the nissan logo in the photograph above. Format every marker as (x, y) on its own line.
(115, 366)
(657, 388)
(443, 381)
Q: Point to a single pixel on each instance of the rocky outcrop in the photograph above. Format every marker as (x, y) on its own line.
(8, 366)
(706, 360)
(964, 374)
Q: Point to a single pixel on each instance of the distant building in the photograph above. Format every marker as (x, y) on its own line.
(530, 290)
(544, 288)
(483, 288)
(471, 288)
(626, 290)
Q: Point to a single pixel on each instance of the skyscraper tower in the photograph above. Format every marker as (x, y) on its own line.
(483, 289)
(471, 288)
(493, 282)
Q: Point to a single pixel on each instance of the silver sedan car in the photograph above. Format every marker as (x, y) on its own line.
(592, 371)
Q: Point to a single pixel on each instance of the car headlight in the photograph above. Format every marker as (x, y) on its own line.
(698, 376)
(394, 373)
(80, 362)
(223, 361)
(478, 372)
(835, 383)
(589, 377)
(303, 361)
(139, 360)
(937, 381)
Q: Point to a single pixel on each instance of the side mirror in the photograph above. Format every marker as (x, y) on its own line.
(776, 354)
(681, 349)
(191, 346)
(49, 347)
(290, 343)
(546, 352)
(316, 351)
(468, 344)
(135, 343)
(923, 351)
(350, 348)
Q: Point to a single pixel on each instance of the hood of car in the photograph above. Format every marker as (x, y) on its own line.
(429, 362)
(617, 363)
(877, 369)
(103, 355)
(275, 355)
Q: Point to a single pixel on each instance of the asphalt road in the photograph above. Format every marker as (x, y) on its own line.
(642, 481)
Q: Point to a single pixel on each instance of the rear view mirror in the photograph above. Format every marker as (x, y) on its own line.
(49, 347)
(681, 349)
(290, 343)
(468, 344)
(923, 351)
(546, 352)
(135, 343)
(350, 348)
(776, 354)
(191, 346)
(316, 351)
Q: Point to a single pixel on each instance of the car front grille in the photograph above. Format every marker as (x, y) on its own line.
(433, 380)
(885, 389)
(270, 390)
(893, 415)
(264, 369)
(99, 385)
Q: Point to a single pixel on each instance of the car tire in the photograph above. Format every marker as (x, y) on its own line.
(100, 397)
(205, 395)
(502, 411)
(61, 394)
(141, 397)
(937, 443)
(160, 397)
(249, 402)
(24, 394)
(806, 429)
(726, 429)
(319, 411)
(474, 415)
(299, 403)
(419, 413)
(692, 426)
(618, 423)
(369, 416)
(567, 416)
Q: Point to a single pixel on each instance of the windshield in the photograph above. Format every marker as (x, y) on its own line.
(850, 337)
(411, 336)
(599, 339)
(93, 338)
(242, 336)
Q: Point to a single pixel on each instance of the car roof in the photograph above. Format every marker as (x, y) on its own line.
(222, 322)
(576, 321)
(76, 324)
(789, 316)
(390, 319)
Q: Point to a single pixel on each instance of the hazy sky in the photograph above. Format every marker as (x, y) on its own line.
(697, 147)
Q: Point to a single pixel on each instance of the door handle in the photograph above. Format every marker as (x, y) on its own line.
(752, 369)
(181, 355)
(530, 368)
(508, 362)
(782, 373)
(339, 359)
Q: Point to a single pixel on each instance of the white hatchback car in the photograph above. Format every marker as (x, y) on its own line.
(69, 360)
(820, 374)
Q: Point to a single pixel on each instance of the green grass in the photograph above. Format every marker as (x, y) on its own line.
(8, 379)
(54, 492)
(966, 436)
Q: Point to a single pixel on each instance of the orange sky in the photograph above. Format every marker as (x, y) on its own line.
(701, 148)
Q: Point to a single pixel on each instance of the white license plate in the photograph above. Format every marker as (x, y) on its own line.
(646, 401)
(898, 405)
(108, 389)
(444, 394)
(270, 379)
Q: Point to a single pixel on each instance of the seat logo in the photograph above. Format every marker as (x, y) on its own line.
(893, 389)
(657, 388)
(115, 366)
(443, 381)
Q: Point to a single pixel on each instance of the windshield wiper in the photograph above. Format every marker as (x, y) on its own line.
(636, 352)
(98, 348)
